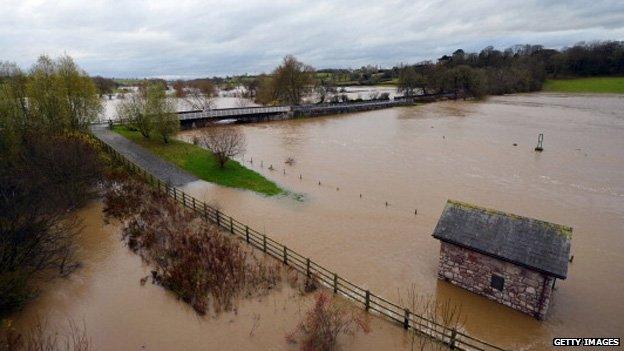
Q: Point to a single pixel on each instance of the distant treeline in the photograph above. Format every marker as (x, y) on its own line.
(517, 69)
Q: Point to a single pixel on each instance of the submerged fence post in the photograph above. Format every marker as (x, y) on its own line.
(231, 225)
(453, 338)
(218, 219)
(247, 233)
(194, 209)
(285, 255)
(264, 242)
(367, 300)
(406, 320)
(308, 267)
(335, 283)
(206, 213)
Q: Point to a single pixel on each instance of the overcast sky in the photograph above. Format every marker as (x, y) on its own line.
(191, 38)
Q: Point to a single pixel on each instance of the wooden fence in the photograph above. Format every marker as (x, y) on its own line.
(372, 303)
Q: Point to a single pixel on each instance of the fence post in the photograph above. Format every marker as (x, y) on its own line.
(308, 267)
(367, 300)
(231, 225)
(184, 198)
(335, 283)
(175, 194)
(218, 219)
(285, 255)
(247, 234)
(406, 320)
(206, 213)
(264, 242)
(193, 203)
(453, 338)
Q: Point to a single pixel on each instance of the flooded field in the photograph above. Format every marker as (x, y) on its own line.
(120, 314)
(415, 158)
(346, 168)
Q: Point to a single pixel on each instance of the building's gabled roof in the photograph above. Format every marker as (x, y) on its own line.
(535, 244)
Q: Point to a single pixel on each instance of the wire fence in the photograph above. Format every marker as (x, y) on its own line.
(371, 303)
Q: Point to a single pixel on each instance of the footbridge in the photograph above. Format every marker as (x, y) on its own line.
(198, 118)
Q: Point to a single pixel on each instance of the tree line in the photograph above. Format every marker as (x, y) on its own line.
(49, 167)
(520, 68)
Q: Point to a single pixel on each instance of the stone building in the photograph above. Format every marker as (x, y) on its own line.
(511, 259)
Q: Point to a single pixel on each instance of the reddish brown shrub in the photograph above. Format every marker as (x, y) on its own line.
(190, 257)
(324, 323)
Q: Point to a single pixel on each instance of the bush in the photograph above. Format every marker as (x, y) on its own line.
(40, 337)
(324, 323)
(189, 256)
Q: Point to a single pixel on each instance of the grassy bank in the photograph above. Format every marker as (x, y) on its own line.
(203, 164)
(586, 85)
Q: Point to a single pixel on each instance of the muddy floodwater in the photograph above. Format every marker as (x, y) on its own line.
(118, 313)
(346, 168)
(415, 158)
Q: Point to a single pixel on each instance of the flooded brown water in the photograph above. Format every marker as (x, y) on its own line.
(119, 314)
(417, 158)
(413, 158)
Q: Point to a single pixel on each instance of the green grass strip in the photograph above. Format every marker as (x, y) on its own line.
(202, 163)
(614, 85)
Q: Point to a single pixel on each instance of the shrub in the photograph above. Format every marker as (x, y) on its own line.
(39, 337)
(324, 323)
(190, 257)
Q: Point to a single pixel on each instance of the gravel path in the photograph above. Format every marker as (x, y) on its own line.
(160, 168)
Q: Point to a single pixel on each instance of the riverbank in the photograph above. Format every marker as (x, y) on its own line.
(202, 163)
(613, 85)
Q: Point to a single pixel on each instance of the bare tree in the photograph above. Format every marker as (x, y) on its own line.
(243, 102)
(223, 142)
(201, 93)
(198, 100)
(435, 312)
(293, 79)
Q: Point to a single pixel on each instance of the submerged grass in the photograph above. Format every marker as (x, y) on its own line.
(202, 163)
(613, 85)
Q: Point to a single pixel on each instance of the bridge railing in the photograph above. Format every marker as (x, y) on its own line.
(226, 112)
(363, 298)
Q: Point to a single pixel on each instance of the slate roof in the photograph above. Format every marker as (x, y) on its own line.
(529, 242)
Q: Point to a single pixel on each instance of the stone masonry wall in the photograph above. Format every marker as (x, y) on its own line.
(473, 271)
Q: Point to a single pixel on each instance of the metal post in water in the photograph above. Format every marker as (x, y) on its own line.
(540, 140)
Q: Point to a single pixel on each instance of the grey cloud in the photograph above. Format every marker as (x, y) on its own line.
(191, 38)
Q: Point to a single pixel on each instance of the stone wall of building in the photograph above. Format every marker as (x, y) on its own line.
(525, 290)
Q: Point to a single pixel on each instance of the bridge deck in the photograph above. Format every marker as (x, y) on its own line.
(232, 112)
